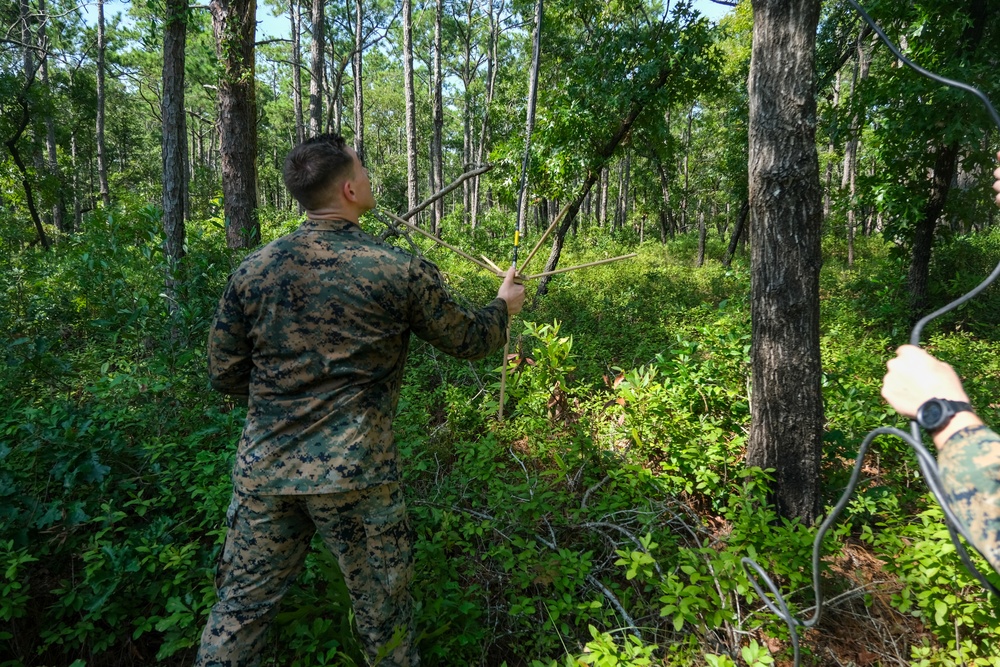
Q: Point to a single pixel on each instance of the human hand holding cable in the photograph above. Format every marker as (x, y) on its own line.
(913, 377)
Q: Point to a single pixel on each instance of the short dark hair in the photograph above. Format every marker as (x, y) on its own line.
(312, 166)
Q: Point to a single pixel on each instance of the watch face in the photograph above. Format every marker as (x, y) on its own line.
(931, 414)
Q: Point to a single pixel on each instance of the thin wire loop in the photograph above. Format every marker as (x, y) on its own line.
(925, 460)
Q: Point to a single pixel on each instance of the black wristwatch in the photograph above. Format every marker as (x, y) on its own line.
(935, 413)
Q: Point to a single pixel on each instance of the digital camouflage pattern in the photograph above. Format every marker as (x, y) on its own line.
(969, 468)
(315, 327)
(265, 550)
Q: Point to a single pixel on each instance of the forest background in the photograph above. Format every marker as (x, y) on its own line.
(602, 520)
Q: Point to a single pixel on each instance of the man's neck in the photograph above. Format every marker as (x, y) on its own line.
(333, 212)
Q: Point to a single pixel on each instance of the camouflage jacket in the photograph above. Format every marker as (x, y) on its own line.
(969, 468)
(315, 327)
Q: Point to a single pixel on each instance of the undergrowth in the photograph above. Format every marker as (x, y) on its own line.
(602, 521)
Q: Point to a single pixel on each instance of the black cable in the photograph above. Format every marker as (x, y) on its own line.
(925, 460)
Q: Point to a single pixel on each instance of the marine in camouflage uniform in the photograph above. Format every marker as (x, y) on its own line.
(969, 467)
(315, 328)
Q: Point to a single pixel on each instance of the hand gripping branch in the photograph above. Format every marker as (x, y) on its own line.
(926, 461)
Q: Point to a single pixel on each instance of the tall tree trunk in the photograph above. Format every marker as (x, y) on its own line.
(359, 92)
(174, 143)
(830, 148)
(522, 196)
(702, 232)
(412, 177)
(923, 234)
(437, 117)
(52, 159)
(738, 233)
(849, 178)
(945, 165)
(666, 224)
(30, 70)
(295, 15)
(786, 424)
(602, 209)
(233, 22)
(102, 156)
(316, 68)
(687, 162)
(491, 72)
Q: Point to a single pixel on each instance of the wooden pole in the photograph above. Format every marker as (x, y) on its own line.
(455, 250)
(544, 236)
(580, 266)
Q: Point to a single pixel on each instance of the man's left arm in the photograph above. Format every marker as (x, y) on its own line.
(229, 349)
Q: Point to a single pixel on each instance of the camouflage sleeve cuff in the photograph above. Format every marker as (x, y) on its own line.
(969, 469)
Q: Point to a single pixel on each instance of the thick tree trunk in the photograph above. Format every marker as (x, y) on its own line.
(295, 14)
(102, 156)
(174, 143)
(786, 428)
(412, 177)
(233, 22)
(602, 208)
(316, 68)
(437, 118)
(359, 91)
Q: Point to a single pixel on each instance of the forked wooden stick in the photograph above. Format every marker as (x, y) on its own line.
(455, 250)
(580, 266)
(538, 244)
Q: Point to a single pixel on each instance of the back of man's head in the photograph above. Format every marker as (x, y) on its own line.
(312, 166)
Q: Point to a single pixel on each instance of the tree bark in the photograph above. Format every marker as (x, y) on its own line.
(359, 92)
(786, 428)
(491, 73)
(923, 234)
(295, 15)
(102, 156)
(52, 158)
(702, 233)
(737, 233)
(174, 143)
(233, 22)
(522, 194)
(316, 68)
(437, 117)
(412, 177)
(849, 178)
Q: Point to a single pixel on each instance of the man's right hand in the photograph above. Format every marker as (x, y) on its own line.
(512, 293)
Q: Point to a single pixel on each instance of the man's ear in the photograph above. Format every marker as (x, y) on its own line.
(347, 190)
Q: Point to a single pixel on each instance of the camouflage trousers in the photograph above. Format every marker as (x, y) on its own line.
(265, 550)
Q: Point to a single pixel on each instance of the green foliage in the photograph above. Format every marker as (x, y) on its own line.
(602, 522)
